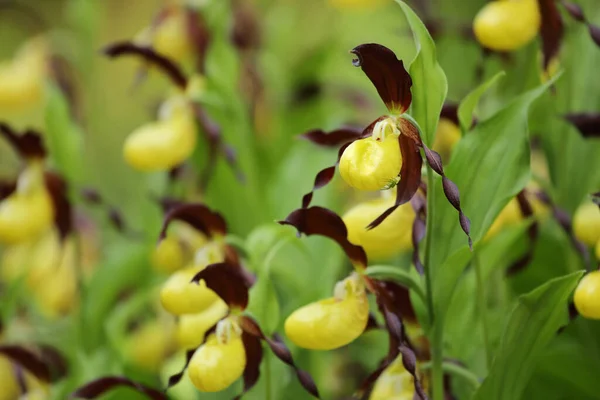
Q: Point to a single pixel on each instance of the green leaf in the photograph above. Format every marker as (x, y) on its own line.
(264, 304)
(398, 275)
(489, 166)
(466, 109)
(429, 80)
(63, 138)
(532, 325)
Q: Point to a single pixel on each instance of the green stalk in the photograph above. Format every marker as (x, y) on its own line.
(481, 301)
(437, 352)
(268, 377)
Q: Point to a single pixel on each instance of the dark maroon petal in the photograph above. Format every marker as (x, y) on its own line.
(28, 360)
(410, 363)
(574, 9)
(450, 190)
(151, 56)
(7, 188)
(410, 177)
(281, 351)
(372, 323)
(527, 211)
(29, 144)
(400, 300)
(254, 354)
(334, 138)
(387, 74)
(55, 361)
(63, 215)
(551, 31)
(321, 221)
(596, 198)
(588, 124)
(103, 385)
(594, 33)
(199, 35)
(564, 220)
(198, 216)
(323, 178)
(228, 281)
(419, 205)
(176, 378)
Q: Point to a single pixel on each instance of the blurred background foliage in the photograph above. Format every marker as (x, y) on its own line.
(309, 83)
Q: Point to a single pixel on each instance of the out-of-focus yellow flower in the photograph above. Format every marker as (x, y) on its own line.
(22, 79)
(191, 328)
(373, 163)
(9, 387)
(180, 296)
(162, 145)
(507, 25)
(220, 361)
(587, 296)
(598, 250)
(357, 4)
(168, 255)
(149, 345)
(511, 215)
(394, 234)
(586, 223)
(171, 37)
(334, 322)
(28, 211)
(446, 137)
(395, 383)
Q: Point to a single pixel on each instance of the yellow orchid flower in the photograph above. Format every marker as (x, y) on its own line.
(191, 328)
(587, 296)
(586, 223)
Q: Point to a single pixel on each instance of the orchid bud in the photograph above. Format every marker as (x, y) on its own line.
(28, 211)
(507, 25)
(334, 322)
(587, 296)
(586, 223)
(220, 361)
(149, 345)
(162, 145)
(191, 328)
(22, 80)
(179, 295)
(394, 383)
(391, 237)
(373, 163)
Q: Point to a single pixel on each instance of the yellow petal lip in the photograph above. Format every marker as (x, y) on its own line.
(586, 223)
(390, 238)
(587, 296)
(215, 365)
(330, 323)
(369, 164)
(191, 328)
(168, 255)
(180, 296)
(507, 25)
(25, 216)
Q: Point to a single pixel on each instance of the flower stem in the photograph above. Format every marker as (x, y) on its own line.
(436, 331)
(268, 377)
(481, 300)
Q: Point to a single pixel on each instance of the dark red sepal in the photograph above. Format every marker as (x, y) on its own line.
(254, 355)
(551, 31)
(228, 281)
(321, 221)
(197, 215)
(63, 213)
(28, 144)
(387, 74)
(334, 138)
(281, 351)
(98, 387)
(588, 124)
(44, 362)
(148, 54)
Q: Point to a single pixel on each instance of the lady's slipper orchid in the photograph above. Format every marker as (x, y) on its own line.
(587, 296)
(393, 236)
(164, 144)
(586, 223)
(367, 159)
(22, 80)
(334, 322)
(221, 360)
(149, 345)
(178, 296)
(191, 328)
(395, 383)
(507, 25)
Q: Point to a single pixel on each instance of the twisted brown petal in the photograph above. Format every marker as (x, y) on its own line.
(63, 215)
(419, 205)
(198, 216)
(29, 360)
(321, 221)
(387, 74)
(29, 144)
(551, 31)
(151, 56)
(100, 386)
(577, 13)
(334, 138)
(281, 351)
(254, 354)
(588, 124)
